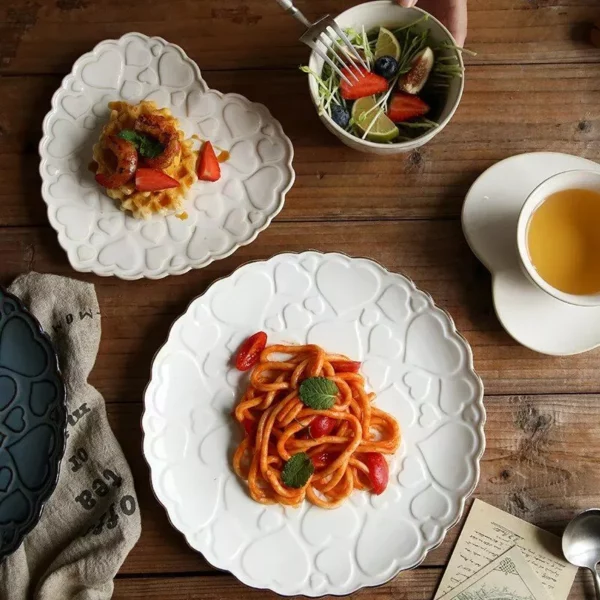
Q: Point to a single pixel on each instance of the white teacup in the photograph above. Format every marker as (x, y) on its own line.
(587, 180)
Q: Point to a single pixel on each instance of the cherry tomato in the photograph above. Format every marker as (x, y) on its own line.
(379, 472)
(321, 426)
(249, 426)
(249, 352)
(322, 459)
(348, 366)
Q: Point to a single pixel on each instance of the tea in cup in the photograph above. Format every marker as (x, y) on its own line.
(558, 237)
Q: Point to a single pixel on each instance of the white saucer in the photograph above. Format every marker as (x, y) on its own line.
(489, 218)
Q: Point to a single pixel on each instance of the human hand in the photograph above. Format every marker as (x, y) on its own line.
(452, 13)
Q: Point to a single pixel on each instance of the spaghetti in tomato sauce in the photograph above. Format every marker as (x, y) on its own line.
(311, 430)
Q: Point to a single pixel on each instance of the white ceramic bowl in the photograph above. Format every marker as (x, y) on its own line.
(391, 15)
(579, 179)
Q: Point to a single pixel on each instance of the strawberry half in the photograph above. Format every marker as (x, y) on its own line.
(405, 106)
(367, 84)
(153, 180)
(209, 168)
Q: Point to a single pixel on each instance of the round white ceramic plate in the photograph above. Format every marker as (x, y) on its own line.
(490, 214)
(223, 216)
(413, 357)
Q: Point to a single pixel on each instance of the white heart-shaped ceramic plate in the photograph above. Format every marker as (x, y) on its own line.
(223, 216)
(413, 358)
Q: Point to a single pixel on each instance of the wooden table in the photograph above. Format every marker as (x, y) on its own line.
(534, 85)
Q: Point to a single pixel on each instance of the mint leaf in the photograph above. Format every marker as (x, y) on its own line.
(130, 135)
(297, 470)
(150, 148)
(318, 393)
(147, 147)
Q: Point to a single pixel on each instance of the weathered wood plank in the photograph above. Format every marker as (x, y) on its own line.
(419, 584)
(541, 464)
(47, 36)
(137, 315)
(505, 111)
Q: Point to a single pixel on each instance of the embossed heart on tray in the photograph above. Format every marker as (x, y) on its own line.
(442, 354)
(20, 350)
(456, 443)
(103, 72)
(8, 391)
(256, 289)
(134, 68)
(346, 288)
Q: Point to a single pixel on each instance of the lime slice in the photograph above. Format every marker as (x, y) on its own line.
(377, 123)
(387, 44)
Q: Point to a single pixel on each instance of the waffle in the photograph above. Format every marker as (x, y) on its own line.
(144, 205)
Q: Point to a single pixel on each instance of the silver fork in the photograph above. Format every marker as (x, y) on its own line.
(320, 32)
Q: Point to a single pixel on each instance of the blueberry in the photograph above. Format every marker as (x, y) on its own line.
(340, 115)
(386, 66)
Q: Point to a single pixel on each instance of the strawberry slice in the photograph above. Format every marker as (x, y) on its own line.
(405, 106)
(347, 366)
(153, 180)
(367, 84)
(208, 164)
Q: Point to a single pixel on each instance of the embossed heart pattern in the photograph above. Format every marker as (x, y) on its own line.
(32, 421)
(168, 146)
(415, 362)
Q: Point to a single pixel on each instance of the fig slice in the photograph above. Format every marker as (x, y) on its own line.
(422, 64)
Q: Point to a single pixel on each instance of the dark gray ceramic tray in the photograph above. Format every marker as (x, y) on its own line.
(32, 421)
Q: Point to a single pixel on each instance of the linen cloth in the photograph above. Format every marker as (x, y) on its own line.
(92, 520)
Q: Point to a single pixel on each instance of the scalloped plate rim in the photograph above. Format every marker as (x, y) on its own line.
(165, 270)
(476, 457)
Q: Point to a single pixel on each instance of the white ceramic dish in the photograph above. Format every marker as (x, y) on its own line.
(490, 215)
(589, 180)
(412, 357)
(384, 13)
(223, 216)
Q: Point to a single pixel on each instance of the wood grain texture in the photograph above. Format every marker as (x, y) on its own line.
(419, 584)
(137, 315)
(505, 111)
(256, 33)
(412, 585)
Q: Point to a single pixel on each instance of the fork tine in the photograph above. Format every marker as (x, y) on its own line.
(348, 43)
(326, 58)
(345, 51)
(341, 59)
